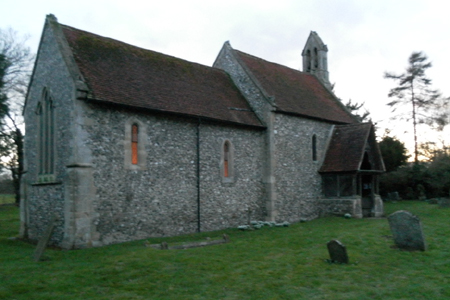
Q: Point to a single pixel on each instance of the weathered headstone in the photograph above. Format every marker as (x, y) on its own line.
(164, 246)
(394, 196)
(338, 252)
(444, 202)
(45, 238)
(407, 231)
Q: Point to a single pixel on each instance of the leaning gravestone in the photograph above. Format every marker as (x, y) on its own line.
(407, 231)
(45, 238)
(338, 252)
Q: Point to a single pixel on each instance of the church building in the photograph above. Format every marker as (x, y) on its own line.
(124, 143)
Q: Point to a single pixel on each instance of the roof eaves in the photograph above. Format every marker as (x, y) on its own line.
(150, 109)
(332, 121)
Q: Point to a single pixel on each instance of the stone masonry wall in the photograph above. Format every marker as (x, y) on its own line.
(262, 105)
(298, 182)
(161, 199)
(41, 201)
(228, 204)
(226, 61)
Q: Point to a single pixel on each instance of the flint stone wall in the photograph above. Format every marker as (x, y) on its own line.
(41, 201)
(161, 199)
(298, 183)
(246, 84)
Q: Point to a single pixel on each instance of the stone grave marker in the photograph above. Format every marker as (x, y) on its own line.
(444, 202)
(338, 252)
(407, 231)
(45, 238)
(394, 196)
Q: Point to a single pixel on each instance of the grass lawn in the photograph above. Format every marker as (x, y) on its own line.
(270, 263)
(6, 199)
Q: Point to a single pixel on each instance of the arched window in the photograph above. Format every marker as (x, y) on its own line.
(134, 143)
(226, 157)
(135, 139)
(227, 162)
(46, 139)
(316, 59)
(308, 58)
(314, 147)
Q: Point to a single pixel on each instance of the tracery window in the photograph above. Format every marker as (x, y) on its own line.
(46, 139)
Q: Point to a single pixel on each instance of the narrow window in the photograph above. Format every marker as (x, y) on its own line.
(226, 157)
(308, 58)
(134, 144)
(46, 137)
(314, 148)
(135, 138)
(316, 59)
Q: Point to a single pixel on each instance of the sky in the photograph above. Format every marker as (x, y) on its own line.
(364, 38)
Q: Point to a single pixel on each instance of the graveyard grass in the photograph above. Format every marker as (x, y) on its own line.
(270, 263)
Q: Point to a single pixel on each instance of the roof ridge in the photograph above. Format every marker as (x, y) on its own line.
(275, 63)
(137, 47)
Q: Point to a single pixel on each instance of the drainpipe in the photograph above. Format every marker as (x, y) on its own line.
(198, 176)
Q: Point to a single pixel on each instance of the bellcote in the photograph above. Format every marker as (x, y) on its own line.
(315, 59)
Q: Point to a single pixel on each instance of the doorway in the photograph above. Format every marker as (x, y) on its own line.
(367, 202)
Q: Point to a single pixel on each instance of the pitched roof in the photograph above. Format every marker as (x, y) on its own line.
(314, 39)
(296, 92)
(347, 146)
(119, 73)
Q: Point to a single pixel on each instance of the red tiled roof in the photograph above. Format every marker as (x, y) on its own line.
(296, 92)
(120, 73)
(347, 147)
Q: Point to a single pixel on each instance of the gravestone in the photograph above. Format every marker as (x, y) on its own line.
(45, 238)
(394, 196)
(338, 252)
(444, 202)
(407, 231)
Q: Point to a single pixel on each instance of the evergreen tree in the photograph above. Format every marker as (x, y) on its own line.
(393, 152)
(424, 104)
(355, 109)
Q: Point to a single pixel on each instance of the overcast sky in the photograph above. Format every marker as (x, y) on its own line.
(364, 38)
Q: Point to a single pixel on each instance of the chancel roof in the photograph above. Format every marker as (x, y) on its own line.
(348, 147)
(119, 73)
(296, 92)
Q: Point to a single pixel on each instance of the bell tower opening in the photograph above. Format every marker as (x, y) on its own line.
(315, 59)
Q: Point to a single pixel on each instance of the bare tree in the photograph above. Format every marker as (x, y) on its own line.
(424, 105)
(16, 72)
